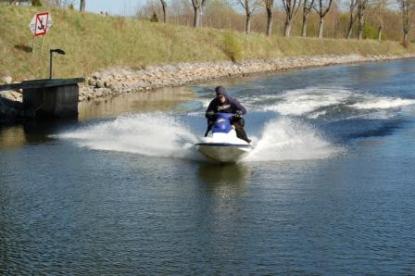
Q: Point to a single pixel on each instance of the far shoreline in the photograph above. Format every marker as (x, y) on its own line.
(118, 80)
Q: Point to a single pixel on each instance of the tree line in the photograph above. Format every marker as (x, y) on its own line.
(53, 3)
(350, 15)
(355, 14)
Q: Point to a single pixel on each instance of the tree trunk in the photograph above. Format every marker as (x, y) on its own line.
(287, 27)
(320, 28)
(349, 32)
(360, 32)
(82, 5)
(405, 40)
(405, 8)
(361, 26)
(196, 17)
(201, 16)
(380, 33)
(248, 23)
(164, 12)
(269, 21)
(304, 26)
(350, 27)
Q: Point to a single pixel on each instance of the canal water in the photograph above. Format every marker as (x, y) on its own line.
(328, 189)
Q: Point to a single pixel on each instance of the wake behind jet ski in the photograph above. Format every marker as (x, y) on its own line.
(228, 141)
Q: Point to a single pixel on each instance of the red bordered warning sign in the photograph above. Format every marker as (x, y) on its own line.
(41, 23)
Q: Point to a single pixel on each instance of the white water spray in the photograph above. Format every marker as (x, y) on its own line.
(290, 139)
(161, 135)
(145, 134)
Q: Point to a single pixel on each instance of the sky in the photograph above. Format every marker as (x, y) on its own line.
(114, 7)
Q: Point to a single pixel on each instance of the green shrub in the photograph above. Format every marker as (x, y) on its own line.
(78, 23)
(370, 32)
(154, 18)
(232, 47)
(36, 3)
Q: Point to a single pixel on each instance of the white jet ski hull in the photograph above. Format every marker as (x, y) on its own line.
(224, 147)
(224, 152)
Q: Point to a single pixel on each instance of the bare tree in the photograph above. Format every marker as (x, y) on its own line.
(380, 6)
(269, 4)
(164, 7)
(406, 11)
(82, 4)
(52, 3)
(15, 2)
(198, 6)
(323, 7)
(249, 8)
(352, 18)
(290, 8)
(307, 7)
(361, 14)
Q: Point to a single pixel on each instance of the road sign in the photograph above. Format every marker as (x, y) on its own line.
(41, 23)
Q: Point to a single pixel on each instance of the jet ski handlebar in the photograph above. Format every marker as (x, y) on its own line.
(213, 116)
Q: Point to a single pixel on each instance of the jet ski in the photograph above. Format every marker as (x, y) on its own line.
(222, 145)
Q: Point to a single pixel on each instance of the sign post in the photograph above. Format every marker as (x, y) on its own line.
(40, 25)
(51, 51)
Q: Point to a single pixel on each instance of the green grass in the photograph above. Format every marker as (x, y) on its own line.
(94, 42)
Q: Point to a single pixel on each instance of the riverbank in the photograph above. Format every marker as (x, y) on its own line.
(123, 55)
(94, 42)
(116, 81)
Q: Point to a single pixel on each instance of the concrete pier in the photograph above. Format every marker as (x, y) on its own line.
(50, 98)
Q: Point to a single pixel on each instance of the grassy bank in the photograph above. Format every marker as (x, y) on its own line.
(93, 42)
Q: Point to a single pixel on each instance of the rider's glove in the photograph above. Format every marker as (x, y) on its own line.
(210, 115)
(238, 114)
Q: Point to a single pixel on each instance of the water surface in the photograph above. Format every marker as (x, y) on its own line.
(328, 189)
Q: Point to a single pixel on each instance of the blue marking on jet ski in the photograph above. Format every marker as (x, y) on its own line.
(222, 123)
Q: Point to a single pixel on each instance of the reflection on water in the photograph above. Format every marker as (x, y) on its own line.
(38, 131)
(226, 179)
(12, 137)
(31, 132)
(146, 101)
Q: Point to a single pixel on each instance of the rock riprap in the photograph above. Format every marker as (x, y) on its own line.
(115, 81)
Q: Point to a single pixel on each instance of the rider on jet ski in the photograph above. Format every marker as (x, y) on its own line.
(226, 104)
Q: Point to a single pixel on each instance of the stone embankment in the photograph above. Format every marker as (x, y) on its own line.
(116, 81)
(11, 108)
(10, 103)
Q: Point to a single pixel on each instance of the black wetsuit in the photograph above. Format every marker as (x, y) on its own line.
(230, 105)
